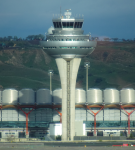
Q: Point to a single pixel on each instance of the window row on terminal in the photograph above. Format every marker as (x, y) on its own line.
(67, 39)
(67, 24)
(66, 47)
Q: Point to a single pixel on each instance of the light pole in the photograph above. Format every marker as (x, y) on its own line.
(87, 65)
(50, 73)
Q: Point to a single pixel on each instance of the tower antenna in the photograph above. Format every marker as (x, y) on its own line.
(60, 11)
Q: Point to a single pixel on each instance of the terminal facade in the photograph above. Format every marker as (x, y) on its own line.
(44, 119)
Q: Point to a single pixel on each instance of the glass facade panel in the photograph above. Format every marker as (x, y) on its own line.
(110, 124)
(78, 25)
(67, 24)
(57, 24)
(64, 24)
(68, 47)
(71, 24)
(22, 124)
(85, 47)
(81, 24)
(50, 47)
(54, 23)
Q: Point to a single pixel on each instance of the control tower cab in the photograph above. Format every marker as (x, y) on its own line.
(66, 38)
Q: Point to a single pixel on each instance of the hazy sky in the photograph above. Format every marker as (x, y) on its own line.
(110, 18)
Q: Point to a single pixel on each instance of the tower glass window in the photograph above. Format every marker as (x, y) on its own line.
(57, 24)
(67, 24)
(64, 24)
(54, 23)
(71, 24)
(78, 25)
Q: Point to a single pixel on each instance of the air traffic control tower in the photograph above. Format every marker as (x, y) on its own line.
(67, 44)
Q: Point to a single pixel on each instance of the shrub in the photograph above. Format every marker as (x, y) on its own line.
(58, 137)
(131, 135)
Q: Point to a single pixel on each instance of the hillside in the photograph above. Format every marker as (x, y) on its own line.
(112, 65)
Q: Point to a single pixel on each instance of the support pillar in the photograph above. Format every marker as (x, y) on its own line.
(27, 132)
(128, 114)
(128, 124)
(68, 70)
(95, 114)
(95, 125)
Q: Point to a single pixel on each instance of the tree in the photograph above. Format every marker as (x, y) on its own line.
(106, 39)
(5, 38)
(15, 38)
(115, 39)
(93, 38)
(35, 37)
(30, 37)
(10, 44)
(41, 37)
(123, 40)
(9, 38)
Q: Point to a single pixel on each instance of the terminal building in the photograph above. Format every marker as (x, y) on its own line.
(106, 112)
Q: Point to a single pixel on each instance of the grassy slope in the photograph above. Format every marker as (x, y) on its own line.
(112, 65)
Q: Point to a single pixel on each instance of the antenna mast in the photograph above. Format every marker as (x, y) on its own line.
(60, 11)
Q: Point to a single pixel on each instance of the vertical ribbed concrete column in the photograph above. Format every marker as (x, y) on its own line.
(62, 67)
(74, 66)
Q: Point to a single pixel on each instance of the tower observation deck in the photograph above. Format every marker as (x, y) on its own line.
(67, 44)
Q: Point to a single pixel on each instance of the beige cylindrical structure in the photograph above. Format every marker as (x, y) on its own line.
(68, 70)
(57, 96)
(80, 96)
(94, 96)
(127, 96)
(26, 97)
(43, 97)
(111, 96)
(9, 97)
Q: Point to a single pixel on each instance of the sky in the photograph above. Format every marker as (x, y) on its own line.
(102, 18)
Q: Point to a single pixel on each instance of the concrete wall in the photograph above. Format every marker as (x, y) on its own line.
(78, 128)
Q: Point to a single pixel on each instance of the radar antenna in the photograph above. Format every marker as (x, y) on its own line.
(68, 10)
(67, 13)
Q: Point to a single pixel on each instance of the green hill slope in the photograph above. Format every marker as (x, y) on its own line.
(112, 65)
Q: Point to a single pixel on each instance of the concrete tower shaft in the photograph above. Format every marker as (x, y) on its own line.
(68, 73)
